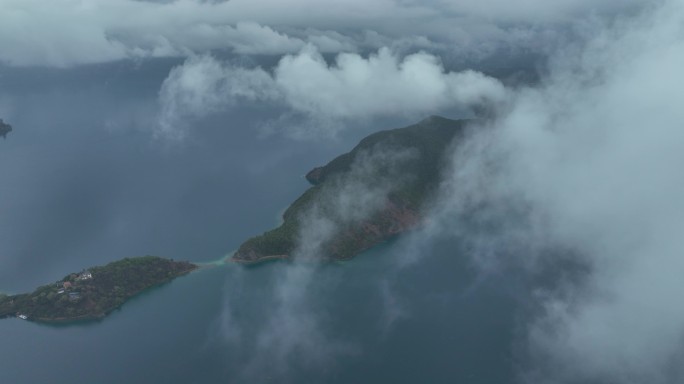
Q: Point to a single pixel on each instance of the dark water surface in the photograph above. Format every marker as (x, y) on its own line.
(83, 182)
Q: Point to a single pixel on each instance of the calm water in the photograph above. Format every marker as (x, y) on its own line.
(449, 330)
(83, 183)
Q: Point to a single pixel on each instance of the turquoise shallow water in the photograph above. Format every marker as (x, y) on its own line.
(450, 330)
(84, 183)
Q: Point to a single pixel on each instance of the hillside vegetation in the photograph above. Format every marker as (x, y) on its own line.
(415, 177)
(93, 293)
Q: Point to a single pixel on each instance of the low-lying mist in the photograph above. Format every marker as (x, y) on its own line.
(589, 162)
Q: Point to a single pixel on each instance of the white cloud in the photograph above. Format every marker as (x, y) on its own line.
(381, 84)
(204, 85)
(243, 38)
(71, 32)
(353, 87)
(591, 161)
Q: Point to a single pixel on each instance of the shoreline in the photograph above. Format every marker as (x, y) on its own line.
(264, 259)
(220, 262)
(101, 316)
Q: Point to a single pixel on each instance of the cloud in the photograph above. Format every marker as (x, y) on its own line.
(204, 85)
(295, 335)
(72, 32)
(589, 162)
(353, 87)
(65, 33)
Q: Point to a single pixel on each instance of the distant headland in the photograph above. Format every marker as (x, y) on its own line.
(94, 293)
(4, 129)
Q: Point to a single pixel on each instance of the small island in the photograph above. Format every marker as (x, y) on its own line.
(94, 293)
(4, 129)
(416, 177)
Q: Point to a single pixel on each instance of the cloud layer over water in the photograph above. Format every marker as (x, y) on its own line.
(590, 161)
(354, 87)
(587, 162)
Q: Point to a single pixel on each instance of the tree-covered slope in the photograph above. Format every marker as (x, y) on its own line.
(398, 168)
(93, 293)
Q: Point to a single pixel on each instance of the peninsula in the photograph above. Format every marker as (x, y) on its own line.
(402, 209)
(94, 293)
(4, 129)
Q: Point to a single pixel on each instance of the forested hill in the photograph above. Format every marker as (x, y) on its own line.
(93, 293)
(409, 159)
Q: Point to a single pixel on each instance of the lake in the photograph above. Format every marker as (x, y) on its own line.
(84, 182)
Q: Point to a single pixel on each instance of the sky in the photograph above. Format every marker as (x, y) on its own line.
(577, 156)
